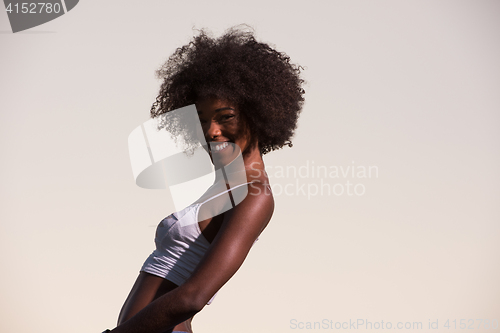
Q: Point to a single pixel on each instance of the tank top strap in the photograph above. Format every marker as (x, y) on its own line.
(222, 193)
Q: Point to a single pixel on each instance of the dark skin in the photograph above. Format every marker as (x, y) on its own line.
(158, 305)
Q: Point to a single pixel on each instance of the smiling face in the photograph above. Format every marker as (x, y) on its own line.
(223, 128)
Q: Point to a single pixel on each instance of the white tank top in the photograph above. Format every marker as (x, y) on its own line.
(180, 245)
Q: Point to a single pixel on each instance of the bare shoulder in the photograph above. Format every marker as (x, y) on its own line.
(254, 212)
(259, 191)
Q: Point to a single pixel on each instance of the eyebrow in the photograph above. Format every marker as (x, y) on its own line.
(220, 109)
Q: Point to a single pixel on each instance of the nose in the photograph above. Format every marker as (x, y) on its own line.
(213, 131)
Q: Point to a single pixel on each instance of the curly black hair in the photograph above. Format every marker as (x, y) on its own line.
(260, 81)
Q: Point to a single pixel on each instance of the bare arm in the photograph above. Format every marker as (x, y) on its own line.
(241, 226)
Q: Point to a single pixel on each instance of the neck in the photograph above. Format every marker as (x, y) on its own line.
(253, 159)
(252, 164)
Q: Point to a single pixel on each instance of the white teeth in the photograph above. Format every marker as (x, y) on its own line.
(219, 147)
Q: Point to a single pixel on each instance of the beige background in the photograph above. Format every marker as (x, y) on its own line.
(410, 87)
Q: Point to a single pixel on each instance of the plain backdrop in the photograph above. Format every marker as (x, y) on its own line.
(408, 88)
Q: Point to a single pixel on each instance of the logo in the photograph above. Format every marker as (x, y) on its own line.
(28, 14)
